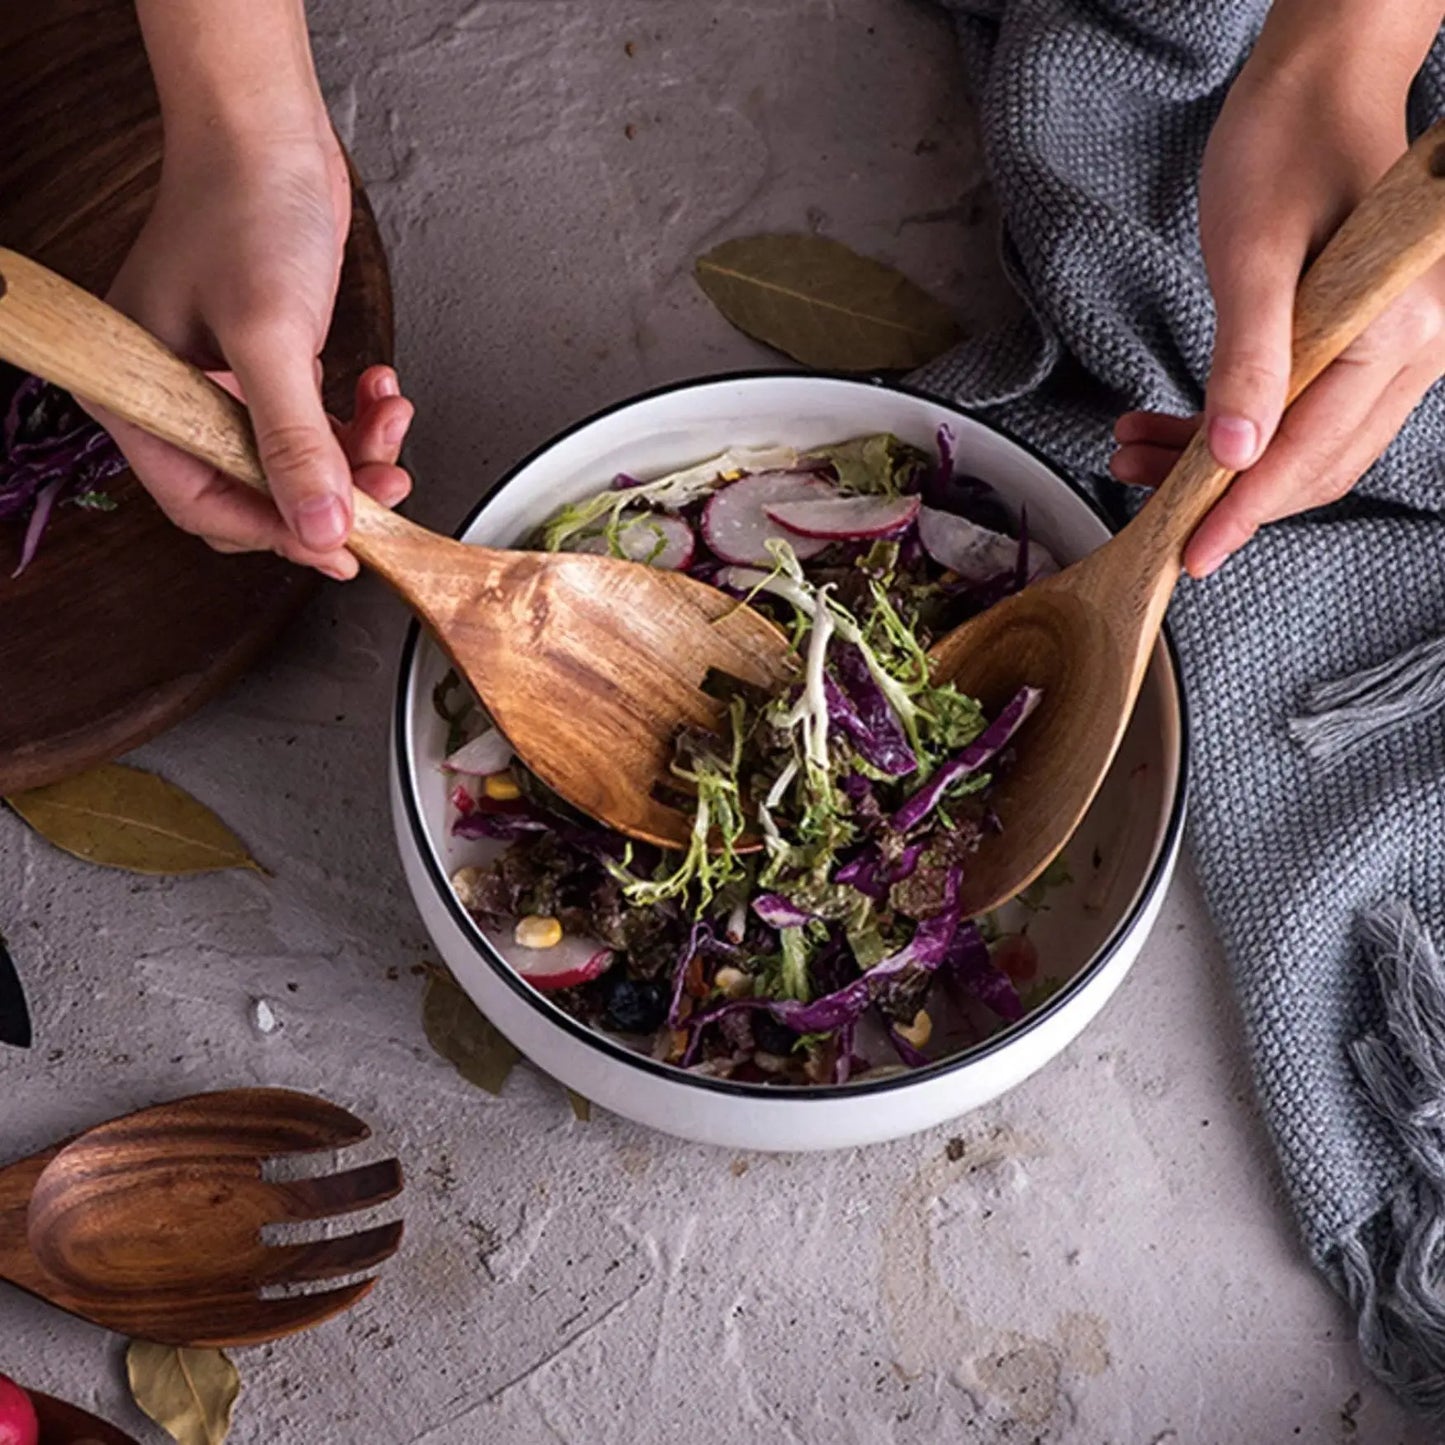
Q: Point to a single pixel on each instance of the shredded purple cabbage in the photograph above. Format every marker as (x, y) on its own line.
(679, 972)
(779, 912)
(857, 706)
(871, 875)
(50, 452)
(502, 827)
(924, 951)
(914, 1058)
(969, 964)
(968, 760)
(963, 495)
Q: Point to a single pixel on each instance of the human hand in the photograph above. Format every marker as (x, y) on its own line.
(236, 269)
(1309, 125)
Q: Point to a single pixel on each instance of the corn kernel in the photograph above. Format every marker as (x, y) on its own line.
(536, 930)
(918, 1032)
(733, 982)
(732, 475)
(466, 881)
(501, 787)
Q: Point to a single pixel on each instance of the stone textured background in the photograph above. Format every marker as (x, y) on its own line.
(1101, 1258)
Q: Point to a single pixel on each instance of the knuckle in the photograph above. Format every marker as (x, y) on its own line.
(1410, 325)
(291, 452)
(1324, 488)
(1249, 372)
(1420, 322)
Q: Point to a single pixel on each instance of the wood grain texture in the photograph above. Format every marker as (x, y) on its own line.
(1086, 635)
(151, 1225)
(588, 664)
(178, 621)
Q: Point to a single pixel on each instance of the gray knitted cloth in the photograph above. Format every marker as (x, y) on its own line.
(1322, 853)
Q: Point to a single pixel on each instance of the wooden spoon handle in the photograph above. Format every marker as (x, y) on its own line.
(17, 1184)
(55, 329)
(1394, 235)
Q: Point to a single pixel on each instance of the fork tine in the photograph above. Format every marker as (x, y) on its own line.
(331, 1258)
(239, 1320)
(343, 1193)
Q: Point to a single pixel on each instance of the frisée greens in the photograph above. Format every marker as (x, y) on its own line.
(830, 951)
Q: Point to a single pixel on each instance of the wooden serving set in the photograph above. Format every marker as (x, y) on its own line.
(152, 1225)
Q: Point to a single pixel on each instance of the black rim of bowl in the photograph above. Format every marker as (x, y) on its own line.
(670, 1073)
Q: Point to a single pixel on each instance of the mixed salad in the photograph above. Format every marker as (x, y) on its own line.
(50, 452)
(839, 948)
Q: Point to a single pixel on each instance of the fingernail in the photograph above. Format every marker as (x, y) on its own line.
(321, 522)
(395, 430)
(336, 574)
(1234, 441)
(387, 384)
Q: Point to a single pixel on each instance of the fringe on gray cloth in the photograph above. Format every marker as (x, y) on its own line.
(1342, 714)
(1400, 1308)
(1094, 115)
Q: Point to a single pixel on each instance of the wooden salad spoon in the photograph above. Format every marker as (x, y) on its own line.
(587, 664)
(1085, 635)
(150, 1225)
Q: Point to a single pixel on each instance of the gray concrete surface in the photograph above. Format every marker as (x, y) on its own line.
(1103, 1258)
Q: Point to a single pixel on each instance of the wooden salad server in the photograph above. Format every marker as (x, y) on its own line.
(587, 664)
(150, 1225)
(1085, 635)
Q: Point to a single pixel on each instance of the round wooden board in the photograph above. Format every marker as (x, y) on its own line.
(123, 625)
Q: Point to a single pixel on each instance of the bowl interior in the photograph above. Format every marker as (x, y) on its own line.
(1116, 851)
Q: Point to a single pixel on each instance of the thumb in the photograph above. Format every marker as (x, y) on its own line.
(1254, 288)
(307, 471)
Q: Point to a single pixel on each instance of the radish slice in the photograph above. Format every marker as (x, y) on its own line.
(741, 579)
(851, 519)
(573, 961)
(487, 753)
(650, 537)
(736, 524)
(975, 553)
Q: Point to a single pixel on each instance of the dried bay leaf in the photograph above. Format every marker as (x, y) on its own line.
(190, 1394)
(464, 1036)
(581, 1108)
(823, 304)
(122, 817)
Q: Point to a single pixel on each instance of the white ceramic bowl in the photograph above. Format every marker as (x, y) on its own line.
(1088, 937)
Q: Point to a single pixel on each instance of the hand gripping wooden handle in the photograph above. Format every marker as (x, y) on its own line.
(1387, 243)
(55, 329)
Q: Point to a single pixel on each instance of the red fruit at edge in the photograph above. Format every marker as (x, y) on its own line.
(18, 1425)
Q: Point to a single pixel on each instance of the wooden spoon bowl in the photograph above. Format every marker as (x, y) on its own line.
(151, 1225)
(1085, 635)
